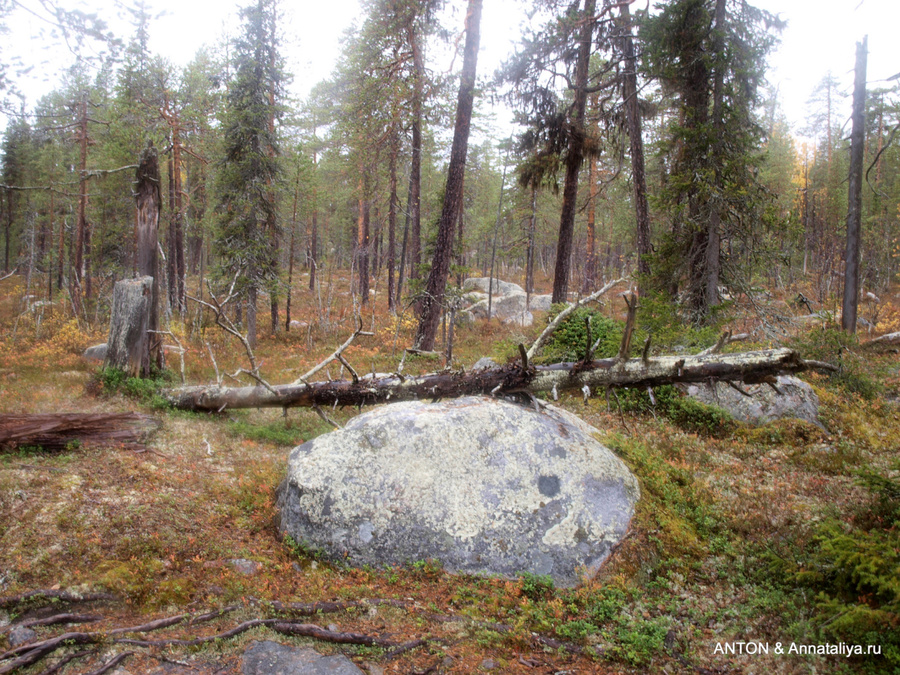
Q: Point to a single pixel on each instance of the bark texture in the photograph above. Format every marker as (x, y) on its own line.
(440, 266)
(147, 200)
(128, 326)
(60, 431)
(748, 367)
(574, 156)
(854, 189)
(636, 145)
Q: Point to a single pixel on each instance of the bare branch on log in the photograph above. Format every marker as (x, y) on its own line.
(337, 355)
(645, 354)
(548, 331)
(226, 324)
(885, 340)
(724, 340)
(625, 347)
(321, 413)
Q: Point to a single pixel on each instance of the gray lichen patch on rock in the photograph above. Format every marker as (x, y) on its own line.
(482, 485)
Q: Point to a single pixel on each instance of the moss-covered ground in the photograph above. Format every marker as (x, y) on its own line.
(745, 538)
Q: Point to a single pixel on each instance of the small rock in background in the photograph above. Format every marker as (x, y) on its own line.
(20, 635)
(484, 363)
(95, 353)
(272, 658)
(244, 566)
(539, 303)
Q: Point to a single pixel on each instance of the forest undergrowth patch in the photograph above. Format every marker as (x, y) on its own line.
(785, 532)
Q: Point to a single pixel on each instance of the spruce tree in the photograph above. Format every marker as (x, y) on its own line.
(249, 169)
(709, 55)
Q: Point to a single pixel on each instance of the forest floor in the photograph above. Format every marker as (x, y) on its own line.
(780, 535)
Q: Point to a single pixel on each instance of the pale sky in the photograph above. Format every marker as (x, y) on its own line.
(821, 36)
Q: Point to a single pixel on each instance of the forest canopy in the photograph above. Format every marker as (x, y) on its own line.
(646, 142)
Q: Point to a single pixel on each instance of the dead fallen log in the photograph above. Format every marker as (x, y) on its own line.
(887, 340)
(514, 378)
(60, 431)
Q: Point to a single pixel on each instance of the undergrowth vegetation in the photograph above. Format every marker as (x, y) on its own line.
(787, 532)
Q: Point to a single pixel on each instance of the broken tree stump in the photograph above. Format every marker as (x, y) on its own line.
(129, 324)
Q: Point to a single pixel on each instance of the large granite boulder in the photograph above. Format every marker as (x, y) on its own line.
(509, 309)
(482, 284)
(482, 485)
(796, 399)
(540, 303)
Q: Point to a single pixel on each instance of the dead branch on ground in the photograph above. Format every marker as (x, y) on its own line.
(32, 653)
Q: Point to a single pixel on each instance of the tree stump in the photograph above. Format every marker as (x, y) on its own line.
(128, 336)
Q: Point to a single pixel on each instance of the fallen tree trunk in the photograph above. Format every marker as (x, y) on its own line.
(60, 431)
(515, 378)
(888, 340)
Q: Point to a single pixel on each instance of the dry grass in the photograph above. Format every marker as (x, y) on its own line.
(160, 527)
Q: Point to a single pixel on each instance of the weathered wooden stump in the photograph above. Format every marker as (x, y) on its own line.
(128, 336)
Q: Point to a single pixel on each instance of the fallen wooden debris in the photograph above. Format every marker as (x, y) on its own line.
(26, 655)
(749, 367)
(64, 430)
(886, 340)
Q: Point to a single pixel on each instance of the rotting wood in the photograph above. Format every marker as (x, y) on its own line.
(60, 431)
(128, 344)
(748, 367)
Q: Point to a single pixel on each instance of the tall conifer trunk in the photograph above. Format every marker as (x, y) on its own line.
(440, 267)
(574, 156)
(636, 145)
(854, 191)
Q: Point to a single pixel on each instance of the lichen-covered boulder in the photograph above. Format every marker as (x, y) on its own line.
(540, 303)
(509, 309)
(482, 284)
(482, 485)
(794, 398)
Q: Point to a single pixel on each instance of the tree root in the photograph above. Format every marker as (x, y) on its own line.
(26, 655)
(50, 595)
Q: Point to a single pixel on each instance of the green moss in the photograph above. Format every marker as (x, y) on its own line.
(680, 409)
(839, 348)
(146, 390)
